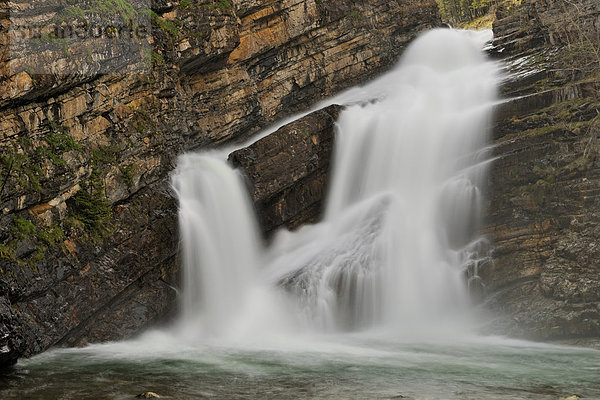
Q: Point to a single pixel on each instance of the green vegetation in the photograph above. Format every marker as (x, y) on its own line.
(128, 173)
(106, 9)
(166, 26)
(53, 42)
(480, 23)
(122, 8)
(89, 206)
(59, 139)
(220, 5)
(152, 57)
(52, 236)
(455, 11)
(23, 228)
(25, 162)
(72, 12)
(142, 120)
(18, 168)
(356, 14)
(21, 163)
(104, 155)
(40, 254)
(472, 14)
(7, 252)
(185, 4)
(50, 38)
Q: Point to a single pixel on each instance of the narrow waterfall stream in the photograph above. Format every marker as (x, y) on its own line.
(223, 295)
(370, 303)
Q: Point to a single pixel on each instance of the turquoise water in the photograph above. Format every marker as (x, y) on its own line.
(334, 367)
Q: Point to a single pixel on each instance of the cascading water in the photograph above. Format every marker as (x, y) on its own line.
(213, 214)
(402, 208)
(406, 194)
(222, 295)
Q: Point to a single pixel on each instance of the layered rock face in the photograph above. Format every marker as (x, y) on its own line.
(88, 223)
(544, 282)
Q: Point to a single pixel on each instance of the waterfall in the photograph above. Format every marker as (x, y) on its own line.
(223, 295)
(398, 236)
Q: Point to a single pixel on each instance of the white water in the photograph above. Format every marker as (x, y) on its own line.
(223, 295)
(404, 203)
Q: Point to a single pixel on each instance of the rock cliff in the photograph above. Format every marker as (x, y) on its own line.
(89, 131)
(544, 282)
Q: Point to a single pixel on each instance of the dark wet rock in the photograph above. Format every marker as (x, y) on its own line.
(544, 281)
(12, 342)
(288, 170)
(148, 395)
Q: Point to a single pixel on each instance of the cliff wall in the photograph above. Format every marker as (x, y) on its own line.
(544, 281)
(90, 129)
